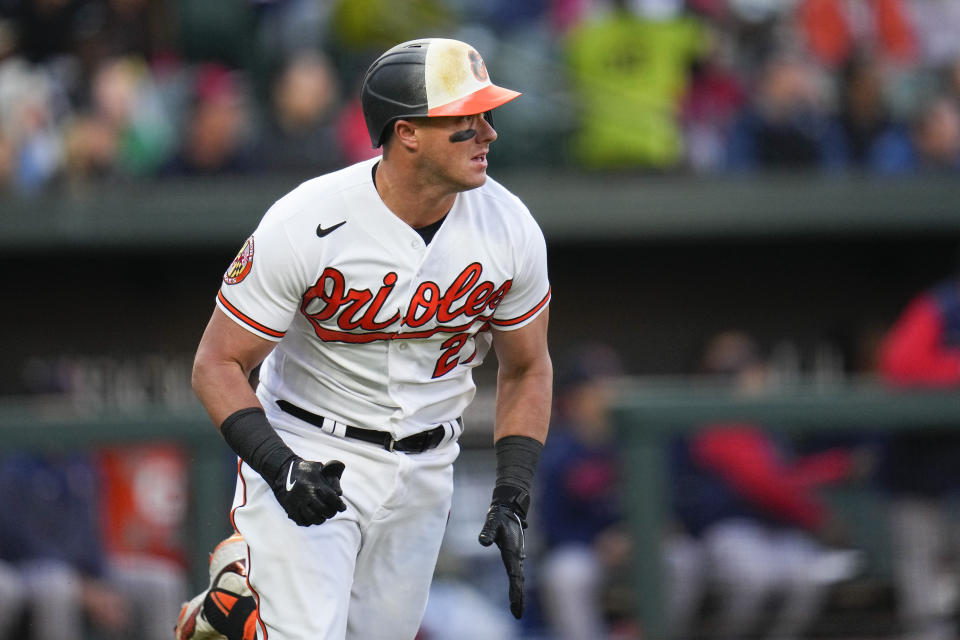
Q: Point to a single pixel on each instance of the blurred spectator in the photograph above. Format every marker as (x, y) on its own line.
(282, 29)
(864, 121)
(127, 130)
(931, 144)
(921, 469)
(217, 131)
(300, 134)
(785, 124)
(751, 524)
(29, 124)
(629, 74)
(90, 149)
(714, 98)
(579, 503)
(50, 535)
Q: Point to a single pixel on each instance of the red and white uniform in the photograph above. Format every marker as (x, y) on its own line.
(374, 329)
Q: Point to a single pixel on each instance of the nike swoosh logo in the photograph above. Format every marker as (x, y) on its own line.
(321, 232)
(289, 474)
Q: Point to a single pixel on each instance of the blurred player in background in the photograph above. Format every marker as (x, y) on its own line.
(921, 468)
(752, 522)
(57, 577)
(582, 520)
(369, 295)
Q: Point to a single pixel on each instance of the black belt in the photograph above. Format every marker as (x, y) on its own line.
(417, 443)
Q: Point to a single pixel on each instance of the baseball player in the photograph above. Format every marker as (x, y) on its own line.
(367, 296)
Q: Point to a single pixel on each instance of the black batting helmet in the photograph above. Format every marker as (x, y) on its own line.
(427, 78)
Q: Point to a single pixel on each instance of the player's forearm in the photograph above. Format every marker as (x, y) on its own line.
(524, 388)
(223, 388)
(226, 356)
(524, 401)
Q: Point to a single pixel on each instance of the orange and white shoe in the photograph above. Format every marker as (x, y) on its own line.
(225, 611)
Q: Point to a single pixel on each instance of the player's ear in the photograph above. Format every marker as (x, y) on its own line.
(406, 133)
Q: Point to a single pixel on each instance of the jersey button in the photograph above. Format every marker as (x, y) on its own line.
(415, 244)
(402, 346)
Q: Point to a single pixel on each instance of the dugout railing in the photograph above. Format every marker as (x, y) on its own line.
(647, 416)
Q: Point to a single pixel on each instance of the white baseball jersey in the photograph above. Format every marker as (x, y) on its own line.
(374, 327)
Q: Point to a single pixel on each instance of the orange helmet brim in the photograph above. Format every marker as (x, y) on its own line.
(485, 99)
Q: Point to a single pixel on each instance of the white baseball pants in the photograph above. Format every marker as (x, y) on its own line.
(366, 573)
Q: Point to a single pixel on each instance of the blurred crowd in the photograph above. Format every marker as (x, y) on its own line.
(108, 90)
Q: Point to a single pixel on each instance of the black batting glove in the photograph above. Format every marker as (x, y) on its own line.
(506, 520)
(309, 491)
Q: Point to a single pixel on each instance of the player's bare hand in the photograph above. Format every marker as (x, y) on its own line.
(504, 526)
(310, 491)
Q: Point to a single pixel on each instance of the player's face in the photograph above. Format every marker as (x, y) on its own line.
(455, 155)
